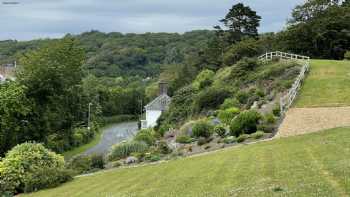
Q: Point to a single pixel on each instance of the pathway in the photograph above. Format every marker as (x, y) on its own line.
(114, 134)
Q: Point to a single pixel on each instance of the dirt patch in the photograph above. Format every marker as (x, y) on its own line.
(307, 120)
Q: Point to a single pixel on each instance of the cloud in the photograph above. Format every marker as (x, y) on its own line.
(54, 18)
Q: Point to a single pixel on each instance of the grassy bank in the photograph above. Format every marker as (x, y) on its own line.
(308, 165)
(327, 85)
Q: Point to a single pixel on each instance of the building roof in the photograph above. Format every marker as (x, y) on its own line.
(160, 103)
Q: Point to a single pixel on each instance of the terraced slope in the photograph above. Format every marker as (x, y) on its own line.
(324, 100)
(296, 166)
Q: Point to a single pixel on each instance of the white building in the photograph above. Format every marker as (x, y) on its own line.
(155, 108)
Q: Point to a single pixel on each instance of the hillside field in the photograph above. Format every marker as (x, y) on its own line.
(327, 85)
(310, 165)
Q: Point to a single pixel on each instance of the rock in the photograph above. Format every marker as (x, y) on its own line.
(255, 105)
(131, 160)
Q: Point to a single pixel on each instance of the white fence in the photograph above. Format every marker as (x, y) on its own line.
(287, 100)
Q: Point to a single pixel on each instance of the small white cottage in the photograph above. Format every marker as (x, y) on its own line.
(155, 108)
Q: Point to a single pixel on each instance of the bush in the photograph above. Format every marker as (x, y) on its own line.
(202, 128)
(245, 123)
(245, 48)
(242, 138)
(243, 67)
(210, 98)
(123, 150)
(184, 139)
(83, 164)
(229, 103)
(347, 55)
(203, 79)
(270, 119)
(242, 97)
(147, 136)
(44, 178)
(30, 166)
(230, 140)
(164, 148)
(163, 129)
(220, 130)
(257, 135)
(277, 111)
(227, 115)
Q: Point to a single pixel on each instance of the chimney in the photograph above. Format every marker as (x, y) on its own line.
(163, 88)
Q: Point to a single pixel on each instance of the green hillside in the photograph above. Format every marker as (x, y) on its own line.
(297, 166)
(327, 85)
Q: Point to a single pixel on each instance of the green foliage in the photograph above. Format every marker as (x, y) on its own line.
(147, 136)
(220, 130)
(163, 147)
(245, 123)
(257, 135)
(123, 150)
(276, 111)
(210, 98)
(242, 138)
(84, 164)
(15, 110)
(28, 167)
(241, 21)
(270, 118)
(243, 67)
(202, 128)
(184, 139)
(230, 139)
(227, 115)
(243, 49)
(347, 55)
(229, 103)
(204, 79)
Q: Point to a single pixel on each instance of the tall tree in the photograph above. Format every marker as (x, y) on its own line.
(241, 21)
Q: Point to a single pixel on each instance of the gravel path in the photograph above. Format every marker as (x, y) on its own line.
(114, 134)
(307, 120)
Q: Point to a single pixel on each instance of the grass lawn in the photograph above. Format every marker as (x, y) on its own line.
(327, 85)
(310, 165)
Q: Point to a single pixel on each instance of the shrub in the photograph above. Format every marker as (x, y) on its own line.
(83, 164)
(183, 139)
(163, 129)
(347, 55)
(270, 119)
(220, 130)
(46, 178)
(229, 103)
(257, 135)
(202, 128)
(242, 97)
(203, 79)
(230, 140)
(227, 115)
(147, 136)
(123, 150)
(242, 138)
(30, 166)
(243, 67)
(277, 111)
(154, 158)
(210, 98)
(245, 123)
(245, 48)
(164, 148)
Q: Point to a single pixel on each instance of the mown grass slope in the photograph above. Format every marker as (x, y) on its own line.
(310, 165)
(327, 85)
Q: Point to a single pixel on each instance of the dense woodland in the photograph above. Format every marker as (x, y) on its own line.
(211, 73)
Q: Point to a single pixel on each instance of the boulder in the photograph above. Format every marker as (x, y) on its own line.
(131, 160)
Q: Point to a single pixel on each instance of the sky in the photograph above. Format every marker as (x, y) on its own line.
(33, 19)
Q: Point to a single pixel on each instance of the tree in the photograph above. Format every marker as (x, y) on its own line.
(311, 9)
(52, 76)
(241, 21)
(15, 110)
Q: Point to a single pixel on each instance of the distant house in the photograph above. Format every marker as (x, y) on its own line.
(155, 108)
(7, 71)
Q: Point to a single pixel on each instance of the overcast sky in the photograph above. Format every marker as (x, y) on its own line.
(32, 19)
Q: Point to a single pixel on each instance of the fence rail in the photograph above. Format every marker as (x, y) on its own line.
(287, 100)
